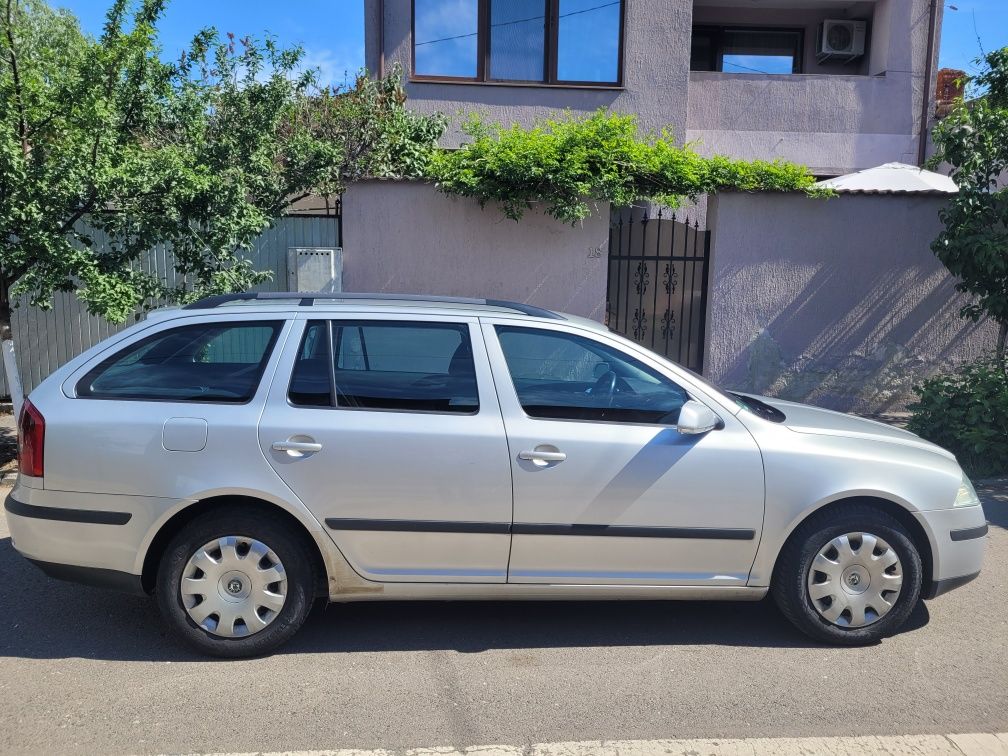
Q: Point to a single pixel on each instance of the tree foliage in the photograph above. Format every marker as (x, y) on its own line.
(966, 412)
(565, 164)
(106, 150)
(973, 140)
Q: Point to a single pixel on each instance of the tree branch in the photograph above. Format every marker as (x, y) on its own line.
(12, 54)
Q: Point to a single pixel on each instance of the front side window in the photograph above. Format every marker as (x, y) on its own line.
(746, 50)
(562, 376)
(207, 362)
(534, 41)
(386, 365)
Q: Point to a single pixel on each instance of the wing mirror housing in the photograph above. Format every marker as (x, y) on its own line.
(696, 418)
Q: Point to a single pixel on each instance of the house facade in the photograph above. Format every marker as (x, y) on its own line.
(837, 85)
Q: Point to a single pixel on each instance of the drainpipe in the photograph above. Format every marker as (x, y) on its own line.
(381, 39)
(928, 86)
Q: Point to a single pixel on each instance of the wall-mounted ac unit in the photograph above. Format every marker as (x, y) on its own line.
(839, 39)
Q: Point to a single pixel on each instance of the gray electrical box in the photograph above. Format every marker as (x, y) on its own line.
(315, 269)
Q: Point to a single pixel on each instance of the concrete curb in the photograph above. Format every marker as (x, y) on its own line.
(970, 744)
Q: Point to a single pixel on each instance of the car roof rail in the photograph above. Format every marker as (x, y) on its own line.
(307, 299)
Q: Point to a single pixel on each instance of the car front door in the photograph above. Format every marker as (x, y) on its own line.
(606, 490)
(389, 430)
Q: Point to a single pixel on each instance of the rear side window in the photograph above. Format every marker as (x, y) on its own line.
(386, 365)
(206, 362)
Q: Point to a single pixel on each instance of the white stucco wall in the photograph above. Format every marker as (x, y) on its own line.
(406, 237)
(838, 302)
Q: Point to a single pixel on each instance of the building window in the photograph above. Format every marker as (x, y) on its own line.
(444, 38)
(572, 42)
(746, 50)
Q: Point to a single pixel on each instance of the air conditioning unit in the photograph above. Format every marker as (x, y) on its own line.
(841, 39)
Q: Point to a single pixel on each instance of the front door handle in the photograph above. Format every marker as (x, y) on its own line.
(296, 448)
(542, 457)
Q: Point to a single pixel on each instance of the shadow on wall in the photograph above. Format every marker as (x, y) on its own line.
(864, 359)
(838, 303)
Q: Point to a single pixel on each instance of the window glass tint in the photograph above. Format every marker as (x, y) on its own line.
(748, 51)
(517, 39)
(444, 37)
(588, 40)
(567, 377)
(208, 362)
(311, 384)
(702, 50)
(387, 365)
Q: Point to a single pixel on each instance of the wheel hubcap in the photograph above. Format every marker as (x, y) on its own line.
(233, 586)
(855, 580)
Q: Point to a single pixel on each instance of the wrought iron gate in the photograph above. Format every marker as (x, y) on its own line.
(657, 288)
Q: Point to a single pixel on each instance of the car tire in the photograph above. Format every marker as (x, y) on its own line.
(794, 579)
(251, 532)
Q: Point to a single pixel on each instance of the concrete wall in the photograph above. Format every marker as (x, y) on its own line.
(837, 302)
(406, 237)
(835, 119)
(656, 73)
(834, 123)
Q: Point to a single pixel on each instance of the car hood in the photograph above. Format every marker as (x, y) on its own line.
(804, 418)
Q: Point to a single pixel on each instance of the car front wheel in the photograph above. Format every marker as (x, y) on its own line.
(848, 577)
(235, 583)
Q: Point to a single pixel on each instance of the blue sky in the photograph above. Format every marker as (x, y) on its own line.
(332, 31)
(959, 45)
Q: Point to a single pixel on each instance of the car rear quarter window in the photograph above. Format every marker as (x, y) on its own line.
(204, 362)
(386, 365)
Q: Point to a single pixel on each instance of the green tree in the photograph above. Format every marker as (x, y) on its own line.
(973, 140)
(106, 150)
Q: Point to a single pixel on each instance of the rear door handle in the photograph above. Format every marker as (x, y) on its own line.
(542, 457)
(299, 447)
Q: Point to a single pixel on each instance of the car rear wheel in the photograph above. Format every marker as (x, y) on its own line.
(235, 583)
(848, 577)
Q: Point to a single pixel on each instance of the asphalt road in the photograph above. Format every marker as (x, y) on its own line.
(85, 671)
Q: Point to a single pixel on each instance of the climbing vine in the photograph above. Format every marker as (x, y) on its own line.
(565, 165)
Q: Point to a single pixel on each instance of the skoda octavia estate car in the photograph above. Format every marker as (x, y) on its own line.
(242, 456)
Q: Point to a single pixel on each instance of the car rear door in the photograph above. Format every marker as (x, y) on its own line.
(389, 430)
(606, 490)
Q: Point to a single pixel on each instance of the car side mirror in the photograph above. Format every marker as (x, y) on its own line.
(696, 418)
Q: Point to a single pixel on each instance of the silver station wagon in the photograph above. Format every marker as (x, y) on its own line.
(242, 456)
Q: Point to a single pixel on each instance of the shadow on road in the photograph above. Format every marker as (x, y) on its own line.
(48, 619)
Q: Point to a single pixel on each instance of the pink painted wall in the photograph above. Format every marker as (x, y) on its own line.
(406, 237)
(836, 302)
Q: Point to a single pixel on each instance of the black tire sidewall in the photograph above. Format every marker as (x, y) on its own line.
(270, 531)
(791, 589)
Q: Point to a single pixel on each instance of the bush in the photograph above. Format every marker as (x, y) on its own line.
(566, 164)
(966, 412)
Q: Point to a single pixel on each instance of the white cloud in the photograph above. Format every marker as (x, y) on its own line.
(335, 67)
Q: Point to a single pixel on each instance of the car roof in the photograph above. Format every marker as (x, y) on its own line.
(413, 304)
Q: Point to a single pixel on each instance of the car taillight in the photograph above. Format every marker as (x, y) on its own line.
(31, 440)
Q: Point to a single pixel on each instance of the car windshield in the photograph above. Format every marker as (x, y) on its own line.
(750, 403)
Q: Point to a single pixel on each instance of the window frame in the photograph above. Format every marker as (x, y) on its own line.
(494, 325)
(333, 322)
(550, 53)
(277, 324)
(718, 32)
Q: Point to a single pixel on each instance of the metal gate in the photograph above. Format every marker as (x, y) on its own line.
(657, 287)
